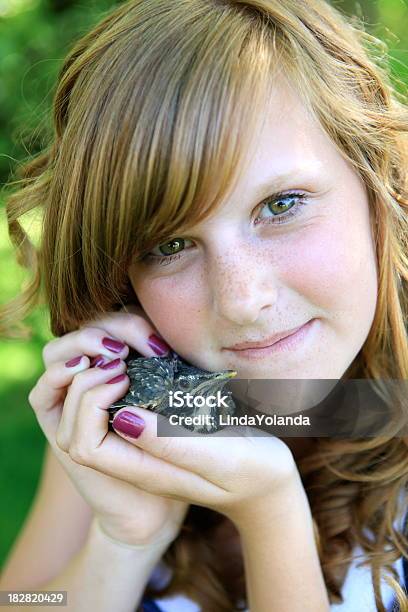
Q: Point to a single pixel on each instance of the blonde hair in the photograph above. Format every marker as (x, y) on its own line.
(153, 112)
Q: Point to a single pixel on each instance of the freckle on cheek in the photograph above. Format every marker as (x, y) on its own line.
(165, 301)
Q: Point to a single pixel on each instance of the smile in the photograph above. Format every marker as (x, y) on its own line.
(289, 343)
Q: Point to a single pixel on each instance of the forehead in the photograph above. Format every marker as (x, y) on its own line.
(287, 149)
(290, 135)
(290, 146)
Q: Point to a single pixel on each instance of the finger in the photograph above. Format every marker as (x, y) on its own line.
(47, 396)
(94, 446)
(122, 327)
(83, 382)
(220, 462)
(200, 454)
(84, 341)
(136, 329)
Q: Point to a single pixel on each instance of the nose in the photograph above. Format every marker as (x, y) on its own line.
(242, 283)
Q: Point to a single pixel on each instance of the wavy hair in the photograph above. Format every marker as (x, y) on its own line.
(153, 110)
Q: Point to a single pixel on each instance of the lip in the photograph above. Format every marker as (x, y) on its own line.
(266, 342)
(286, 343)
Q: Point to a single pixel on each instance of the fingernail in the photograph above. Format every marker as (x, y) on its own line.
(159, 346)
(129, 424)
(73, 362)
(113, 345)
(116, 379)
(97, 361)
(110, 365)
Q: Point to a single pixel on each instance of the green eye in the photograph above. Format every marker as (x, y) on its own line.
(277, 207)
(282, 207)
(277, 212)
(171, 247)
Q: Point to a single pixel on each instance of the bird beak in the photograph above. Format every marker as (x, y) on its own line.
(226, 375)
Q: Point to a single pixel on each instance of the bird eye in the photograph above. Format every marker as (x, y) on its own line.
(184, 383)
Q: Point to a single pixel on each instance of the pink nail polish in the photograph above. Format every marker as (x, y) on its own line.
(97, 361)
(73, 362)
(110, 365)
(113, 345)
(129, 424)
(116, 379)
(159, 346)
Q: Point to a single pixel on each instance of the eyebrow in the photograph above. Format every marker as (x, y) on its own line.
(305, 173)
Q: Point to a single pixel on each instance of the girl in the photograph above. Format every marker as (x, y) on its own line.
(223, 172)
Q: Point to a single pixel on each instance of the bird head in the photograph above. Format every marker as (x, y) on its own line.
(189, 379)
(152, 379)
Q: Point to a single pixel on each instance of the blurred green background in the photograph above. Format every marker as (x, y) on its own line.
(35, 36)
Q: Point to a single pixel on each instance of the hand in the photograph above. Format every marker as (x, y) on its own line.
(70, 405)
(229, 474)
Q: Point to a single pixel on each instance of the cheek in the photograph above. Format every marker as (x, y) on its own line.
(174, 306)
(333, 266)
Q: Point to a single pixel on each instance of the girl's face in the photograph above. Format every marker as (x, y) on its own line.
(263, 264)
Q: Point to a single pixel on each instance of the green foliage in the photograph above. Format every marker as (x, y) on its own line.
(21, 449)
(33, 43)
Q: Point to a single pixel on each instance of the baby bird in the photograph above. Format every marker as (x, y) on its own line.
(152, 379)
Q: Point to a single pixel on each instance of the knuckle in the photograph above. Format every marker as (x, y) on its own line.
(183, 455)
(89, 336)
(44, 353)
(75, 387)
(78, 380)
(92, 398)
(32, 397)
(62, 442)
(89, 397)
(143, 467)
(137, 325)
(167, 450)
(47, 350)
(79, 455)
